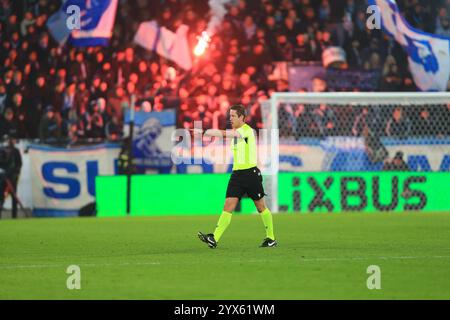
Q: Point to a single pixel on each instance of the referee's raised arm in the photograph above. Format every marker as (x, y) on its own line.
(232, 133)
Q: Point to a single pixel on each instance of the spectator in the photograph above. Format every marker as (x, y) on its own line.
(373, 63)
(20, 114)
(444, 120)
(354, 58)
(424, 124)
(58, 97)
(113, 129)
(309, 18)
(146, 106)
(212, 99)
(398, 125)
(81, 97)
(46, 55)
(101, 104)
(249, 27)
(396, 164)
(8, 124)
(228, 87)
(290, 29)
(324, 121)
(95, 87)
(97, 126)
(284, 49)
(143, 76)
(319, 84)
(315, 47)
(3, 96)
(325, 40)
(246, 86)
(68, 100)
(302, 49)
(79, 69)
(11, 164)
(107, 74)
(102, 92)
(27, 21)
(342, 32)
(374, 147)
(419, 18)
(392, 80)
(222, 118)
(13, 25)
(259, 57)
(444, 27)
(99, 61)
(360, 24)
(129, 63)
(116, 102)
(61, 77)
(74, 135)
(324, 11)
(254, 116)
(360, 122)
(17, 85)
(49, 127)
(287, 118)
(303, 121)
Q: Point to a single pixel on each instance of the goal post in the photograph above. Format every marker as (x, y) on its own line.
(369, 98)
(391, 119)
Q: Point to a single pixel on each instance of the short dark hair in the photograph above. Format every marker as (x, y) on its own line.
(240, 110)
(398, 155)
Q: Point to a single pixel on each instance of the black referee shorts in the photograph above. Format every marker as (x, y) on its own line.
(248, 181)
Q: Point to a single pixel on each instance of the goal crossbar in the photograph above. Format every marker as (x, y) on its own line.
(366, 98)
(338, 99)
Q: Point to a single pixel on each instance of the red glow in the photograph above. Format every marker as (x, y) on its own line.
(203, 43)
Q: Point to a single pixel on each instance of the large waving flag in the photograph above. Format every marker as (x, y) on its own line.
(171, 45)
(428, 54)
(95, 27)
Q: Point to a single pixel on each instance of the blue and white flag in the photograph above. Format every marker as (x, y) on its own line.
(152, 142)
(170, 45)
(96, 22)
(428, 54)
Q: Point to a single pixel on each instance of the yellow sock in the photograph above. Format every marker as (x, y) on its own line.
(266, 216)
(222, 224)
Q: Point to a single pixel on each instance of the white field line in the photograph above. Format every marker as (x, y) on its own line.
(36, 266)
(380, 258)
(318, 259)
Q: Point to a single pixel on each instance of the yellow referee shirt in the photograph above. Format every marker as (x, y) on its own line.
(244, 149)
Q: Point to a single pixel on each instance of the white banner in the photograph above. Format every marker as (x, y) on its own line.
(63, 180)
(349, 154)
(58, 181)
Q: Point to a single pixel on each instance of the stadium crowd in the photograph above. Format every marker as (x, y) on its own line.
(56, 92)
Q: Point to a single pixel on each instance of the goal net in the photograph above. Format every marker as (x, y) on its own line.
(355, 132)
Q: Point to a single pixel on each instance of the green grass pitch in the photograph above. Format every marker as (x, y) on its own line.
(320, 256)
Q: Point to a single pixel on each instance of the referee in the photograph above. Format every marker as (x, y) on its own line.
(245, 179)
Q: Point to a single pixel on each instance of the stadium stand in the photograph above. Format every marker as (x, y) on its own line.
(71, 94)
